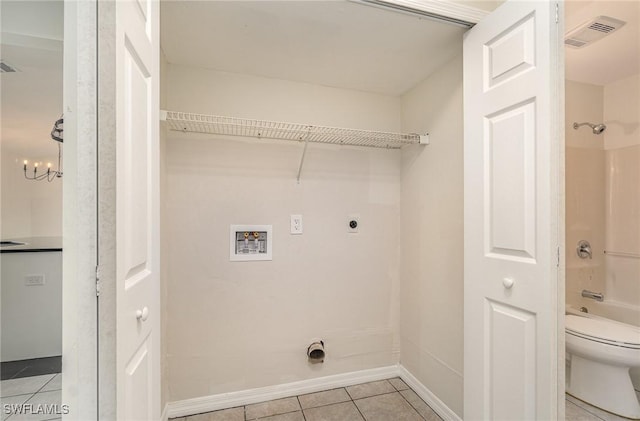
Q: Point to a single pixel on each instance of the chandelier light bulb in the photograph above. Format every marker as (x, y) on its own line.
(50, 174)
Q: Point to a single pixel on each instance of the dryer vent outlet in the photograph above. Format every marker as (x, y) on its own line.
(315, 352)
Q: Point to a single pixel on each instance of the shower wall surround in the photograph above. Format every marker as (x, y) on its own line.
(622, 189)
(603, 191)
(238, 325)
(584, 162)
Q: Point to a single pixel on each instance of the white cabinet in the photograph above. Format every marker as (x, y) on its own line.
(31, 316)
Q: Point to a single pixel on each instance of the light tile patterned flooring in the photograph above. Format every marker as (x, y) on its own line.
(376, 401)
(34, 390)
(385, 400)
(577, 410)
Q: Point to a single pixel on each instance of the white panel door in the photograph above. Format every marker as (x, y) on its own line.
(137, 214)
(511, 169)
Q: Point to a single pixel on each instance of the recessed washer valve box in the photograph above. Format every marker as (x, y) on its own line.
(250, 243)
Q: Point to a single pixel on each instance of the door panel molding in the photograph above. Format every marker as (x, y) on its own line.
(511, 214)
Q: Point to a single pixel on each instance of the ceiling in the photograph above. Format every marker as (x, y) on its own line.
(31, 99)
(42, 19)
(333, 43)
(612, 58)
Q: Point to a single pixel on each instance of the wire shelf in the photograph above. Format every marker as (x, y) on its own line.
(201, 123)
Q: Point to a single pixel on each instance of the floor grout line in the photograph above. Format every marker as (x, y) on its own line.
(304, 417)
(327, 390)
(411, 405)
(14, 376)
(45, 385)
(583, 409)
(27, 400)
(268, 416)
(373, 396)
(588, 408)
(358, 408)
(29, 393)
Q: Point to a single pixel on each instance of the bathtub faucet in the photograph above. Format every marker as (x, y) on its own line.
(598, 296)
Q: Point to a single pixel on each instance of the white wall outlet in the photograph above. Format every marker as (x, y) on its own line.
(32, 280)
(296, 224)
(353, 224)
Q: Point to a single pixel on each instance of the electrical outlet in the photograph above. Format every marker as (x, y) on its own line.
(33, 280)
(353, 224)
(296, 224)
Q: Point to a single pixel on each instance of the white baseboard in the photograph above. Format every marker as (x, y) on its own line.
(245, 397)
(432, 400)
(165, 413)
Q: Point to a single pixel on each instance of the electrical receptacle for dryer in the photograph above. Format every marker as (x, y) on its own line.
(353, 224)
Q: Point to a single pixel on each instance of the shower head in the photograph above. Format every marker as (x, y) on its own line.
(596, 128)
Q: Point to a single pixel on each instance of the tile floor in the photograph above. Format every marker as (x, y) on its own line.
(385, 400)
(35, 390)
(30, 368)
(376, 401)
(577, 410)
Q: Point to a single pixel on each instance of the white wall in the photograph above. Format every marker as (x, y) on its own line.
(584, 177)
(431, 317)
(234, 326)
(622, 189)
(28, 208)
(31, 315)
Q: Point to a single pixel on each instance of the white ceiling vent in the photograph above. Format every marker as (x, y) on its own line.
(592, 31)
(6, 67)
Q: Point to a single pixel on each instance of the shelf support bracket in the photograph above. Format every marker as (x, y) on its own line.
(304, 153)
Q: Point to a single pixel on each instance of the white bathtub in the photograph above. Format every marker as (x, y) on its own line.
(611, 310)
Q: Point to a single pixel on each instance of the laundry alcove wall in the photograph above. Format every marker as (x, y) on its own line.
(324, 283)
(390, 293)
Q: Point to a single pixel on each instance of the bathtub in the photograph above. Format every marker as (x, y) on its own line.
(611, 310)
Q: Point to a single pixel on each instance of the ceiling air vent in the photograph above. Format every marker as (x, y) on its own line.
(592, 31)
(6, 68)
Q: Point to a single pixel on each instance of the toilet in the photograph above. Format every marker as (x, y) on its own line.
(601, 354)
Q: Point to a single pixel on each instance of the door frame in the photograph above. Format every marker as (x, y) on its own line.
(558, 182)
(79, 228)
(89, 258)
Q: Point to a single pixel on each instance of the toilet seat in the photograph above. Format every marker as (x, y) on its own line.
(603, 331)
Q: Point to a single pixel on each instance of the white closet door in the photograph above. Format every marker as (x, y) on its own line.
(137, 214)
(511, 217)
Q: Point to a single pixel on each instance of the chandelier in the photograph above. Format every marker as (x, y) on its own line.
(49, 174)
